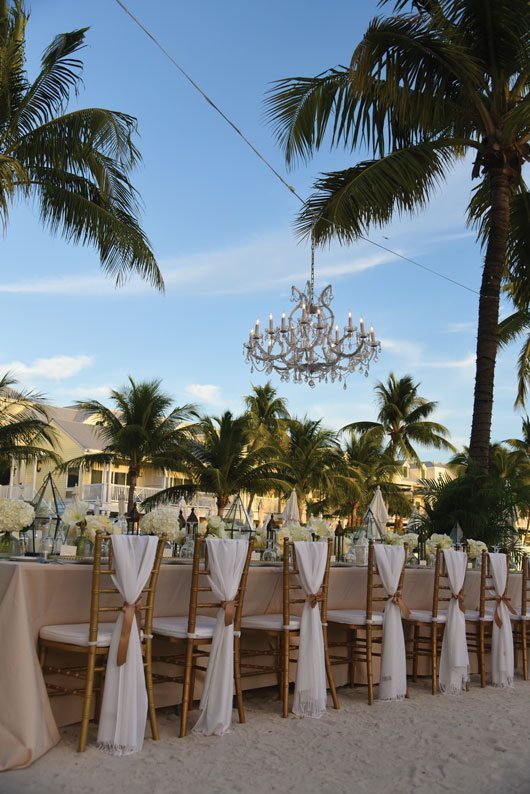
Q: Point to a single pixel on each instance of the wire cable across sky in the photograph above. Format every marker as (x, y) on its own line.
(262, 157)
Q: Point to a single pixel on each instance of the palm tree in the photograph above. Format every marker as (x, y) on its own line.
(266, 412)
(510, 329)
(25, 431)
(143, 429)
(426, 86)
(371, 465)
(75, 165)
(220, 459)
(403, 419)
(312, 459)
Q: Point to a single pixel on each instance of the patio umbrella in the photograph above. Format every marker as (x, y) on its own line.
(291, 513)
(184, 507)
(377, 509)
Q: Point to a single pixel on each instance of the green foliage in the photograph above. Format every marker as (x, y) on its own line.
(25, 432)
(75, 165)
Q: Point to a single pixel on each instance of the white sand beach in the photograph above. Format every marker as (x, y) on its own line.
(478, 742)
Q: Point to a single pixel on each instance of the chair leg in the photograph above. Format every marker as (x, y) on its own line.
(369, 668)
(285, 673)
(87, 701)
(99, 681)
(482, 653)
(352, 653)
(150, 691)
(434, 657)
(237, 679)
(415, 644)
(278, 664)
(186, 688)
(331, 682)
(524, 649)
(42, 656)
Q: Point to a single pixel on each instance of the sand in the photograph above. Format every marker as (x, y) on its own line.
(478, 742)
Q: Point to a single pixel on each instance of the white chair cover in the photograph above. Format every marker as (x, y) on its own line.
(124, 707)
(393, 677)
(227, 561)
(502, 661)
(310, 686)
(454, 661)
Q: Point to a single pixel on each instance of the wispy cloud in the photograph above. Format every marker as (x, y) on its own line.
(461, 328)
(207, 393)
(52, 368)
(467, 363)
(86, 392)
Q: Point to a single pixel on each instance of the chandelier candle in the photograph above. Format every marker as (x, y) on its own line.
(307, 345)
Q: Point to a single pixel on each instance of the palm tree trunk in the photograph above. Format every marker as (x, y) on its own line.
(221, 502)
(488, 317)
(133, 481)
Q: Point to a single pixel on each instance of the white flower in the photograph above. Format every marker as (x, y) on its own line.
(435, 541)
(260, 539)
(162, 521)
(411, 539)
(15, 515)
(216, 526)
(321, 528)
(75, 513)
(392, 538)
(102, 523)
(475, 548)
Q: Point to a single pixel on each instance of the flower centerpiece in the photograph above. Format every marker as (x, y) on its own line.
(163, 521)
(15, 516)
(321, 527)
(475, 549)
(100, 523)
(214, 527)
(75, 518)
(435, 541)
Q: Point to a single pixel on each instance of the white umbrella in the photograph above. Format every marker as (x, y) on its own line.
(291, 513)
(378, 510)
(184, 507)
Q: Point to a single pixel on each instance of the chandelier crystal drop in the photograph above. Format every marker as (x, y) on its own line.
(308, 345)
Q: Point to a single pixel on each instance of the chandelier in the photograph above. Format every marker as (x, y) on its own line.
(308, 345)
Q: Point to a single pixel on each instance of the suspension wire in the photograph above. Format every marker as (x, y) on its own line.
(271, 168)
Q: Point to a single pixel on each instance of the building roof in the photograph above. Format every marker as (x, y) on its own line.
(73, 422)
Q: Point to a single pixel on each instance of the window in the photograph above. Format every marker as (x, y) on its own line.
(72, 478)
(405, 471)
(119, 478)
(5, 472)
(96, 476)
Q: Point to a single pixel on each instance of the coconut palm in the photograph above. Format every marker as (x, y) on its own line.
(74, 165)
(25, 431)
(220, 459)
(511, 328)
(312, 460)
(266, 412)
(404, 419)
(142, 429)
(428, 85)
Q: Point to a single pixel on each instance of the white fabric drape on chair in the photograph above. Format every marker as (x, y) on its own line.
(454, 661)
(310, 686)
(393, 677)
(124, 707)
(502, 661)
(227, 561)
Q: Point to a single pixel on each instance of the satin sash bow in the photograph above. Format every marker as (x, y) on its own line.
(397, 599)
(228, 607)
(313, 599)
(499, 599)
(129, 612)
(460, 598)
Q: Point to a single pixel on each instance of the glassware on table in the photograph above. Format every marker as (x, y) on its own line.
(351, 555)
(46, 548)
(269, 555)
(188, 548)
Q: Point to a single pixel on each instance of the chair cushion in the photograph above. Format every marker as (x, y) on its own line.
(178, 626)
(425, 616)
(353, 617)
(474, 615)
(77, 634)
(269, 622)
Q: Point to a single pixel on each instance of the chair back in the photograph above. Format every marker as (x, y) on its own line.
(375, 590)
(442, 591)
(487, 588)
(525, 584)
(293, 592)
(200, 586)
(105, 591)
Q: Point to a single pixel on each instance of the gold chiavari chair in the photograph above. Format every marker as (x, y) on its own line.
(520, 634)
(481, 619)
(195, 632)
(92, 640)
(427, 627)
(283, 629)
(364, 627)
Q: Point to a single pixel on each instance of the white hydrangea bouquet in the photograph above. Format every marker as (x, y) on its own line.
(15, 515)
(163, 521)
(435, 541)
(214, 527)
(475, 549)
(100, 523)
(394, 539)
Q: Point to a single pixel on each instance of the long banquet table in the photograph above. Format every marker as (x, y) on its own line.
(34, 595)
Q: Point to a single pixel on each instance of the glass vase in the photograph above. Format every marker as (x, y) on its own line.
(5, 543)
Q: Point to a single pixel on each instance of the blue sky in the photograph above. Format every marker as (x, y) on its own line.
(222, 228)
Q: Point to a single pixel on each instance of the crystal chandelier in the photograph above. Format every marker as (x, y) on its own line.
(308, 345)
